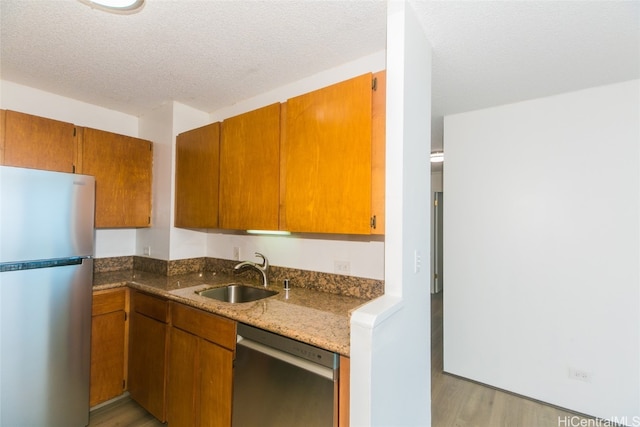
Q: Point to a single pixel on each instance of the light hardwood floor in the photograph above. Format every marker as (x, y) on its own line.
(455, 402)
(122, 413)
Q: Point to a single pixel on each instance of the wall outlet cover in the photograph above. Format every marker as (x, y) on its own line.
(342, 267)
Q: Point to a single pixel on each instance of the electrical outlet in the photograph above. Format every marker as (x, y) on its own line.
(342, 267)
(236, 253)
(146, 251)
(580, 375)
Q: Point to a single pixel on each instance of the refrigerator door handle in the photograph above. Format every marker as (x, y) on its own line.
(32, 265)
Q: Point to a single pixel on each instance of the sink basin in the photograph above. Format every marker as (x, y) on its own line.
(236, 293)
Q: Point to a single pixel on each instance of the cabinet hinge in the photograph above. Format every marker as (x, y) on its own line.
(374, 84)
(125, 316)
(149, 220)
(73, 168)
(373, 222)
(124, 384)
(74, 131)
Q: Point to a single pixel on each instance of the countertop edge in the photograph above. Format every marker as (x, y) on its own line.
(280, 328)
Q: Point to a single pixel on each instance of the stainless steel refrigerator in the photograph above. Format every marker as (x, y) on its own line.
(46, 271)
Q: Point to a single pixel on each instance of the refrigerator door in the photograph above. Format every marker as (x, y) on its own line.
(46, 273)
(45, 215)
(45, 346)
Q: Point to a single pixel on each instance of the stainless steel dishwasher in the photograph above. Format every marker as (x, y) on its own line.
(281, 382)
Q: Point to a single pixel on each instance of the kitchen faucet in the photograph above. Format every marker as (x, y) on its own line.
(262, 268)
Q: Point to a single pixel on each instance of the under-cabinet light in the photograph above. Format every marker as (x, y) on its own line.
(115, 6)
(270, 232)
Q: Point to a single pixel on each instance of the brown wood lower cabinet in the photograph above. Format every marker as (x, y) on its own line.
(108, 345)
(180, 359)
(149, 339)
(182, 378)
(343, 392)
(200, 368)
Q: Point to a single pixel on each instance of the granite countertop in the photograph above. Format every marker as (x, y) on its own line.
(317, 318)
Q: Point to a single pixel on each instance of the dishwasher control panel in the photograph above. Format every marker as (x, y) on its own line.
(305, 351)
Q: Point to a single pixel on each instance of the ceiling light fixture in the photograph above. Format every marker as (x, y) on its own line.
(115, 6)
(437, 157)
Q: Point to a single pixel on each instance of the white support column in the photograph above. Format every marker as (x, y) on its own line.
(390, 337)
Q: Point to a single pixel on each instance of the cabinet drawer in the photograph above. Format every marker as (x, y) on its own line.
(108, 301)
(212, 328)
(154, 307)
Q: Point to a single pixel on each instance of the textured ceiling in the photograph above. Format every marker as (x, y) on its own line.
(212, 54)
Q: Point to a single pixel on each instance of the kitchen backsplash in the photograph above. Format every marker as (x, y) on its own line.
(105, 265)
(323, 282)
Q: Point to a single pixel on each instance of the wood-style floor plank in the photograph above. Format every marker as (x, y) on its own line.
(122, 413)
(455, 402)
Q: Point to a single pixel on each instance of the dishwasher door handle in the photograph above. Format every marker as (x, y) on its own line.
(287, 358)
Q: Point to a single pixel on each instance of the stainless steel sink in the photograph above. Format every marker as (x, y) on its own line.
(237, 293)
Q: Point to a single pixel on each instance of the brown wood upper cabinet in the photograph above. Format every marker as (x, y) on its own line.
(36, 142)
(378, 155)
(250, 170)
(314, 164)
(326, 160)
(122, 166)
(197, 174)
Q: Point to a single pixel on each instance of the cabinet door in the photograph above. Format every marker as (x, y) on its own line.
(197, 170)
(122, 166)
(107, 356)
(147, 356)
(378, 155)
(343, 392)
(181, 381)
(250, 170)
(326, 160)
(108, 345)
(37, 142)
(216, 379)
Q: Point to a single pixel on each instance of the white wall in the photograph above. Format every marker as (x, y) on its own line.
(542, 248)
(366, 258)
(163, 240)
(390, 337)
(32, 101)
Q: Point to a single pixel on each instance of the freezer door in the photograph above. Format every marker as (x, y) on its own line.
(45, 346)
(45, 215)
